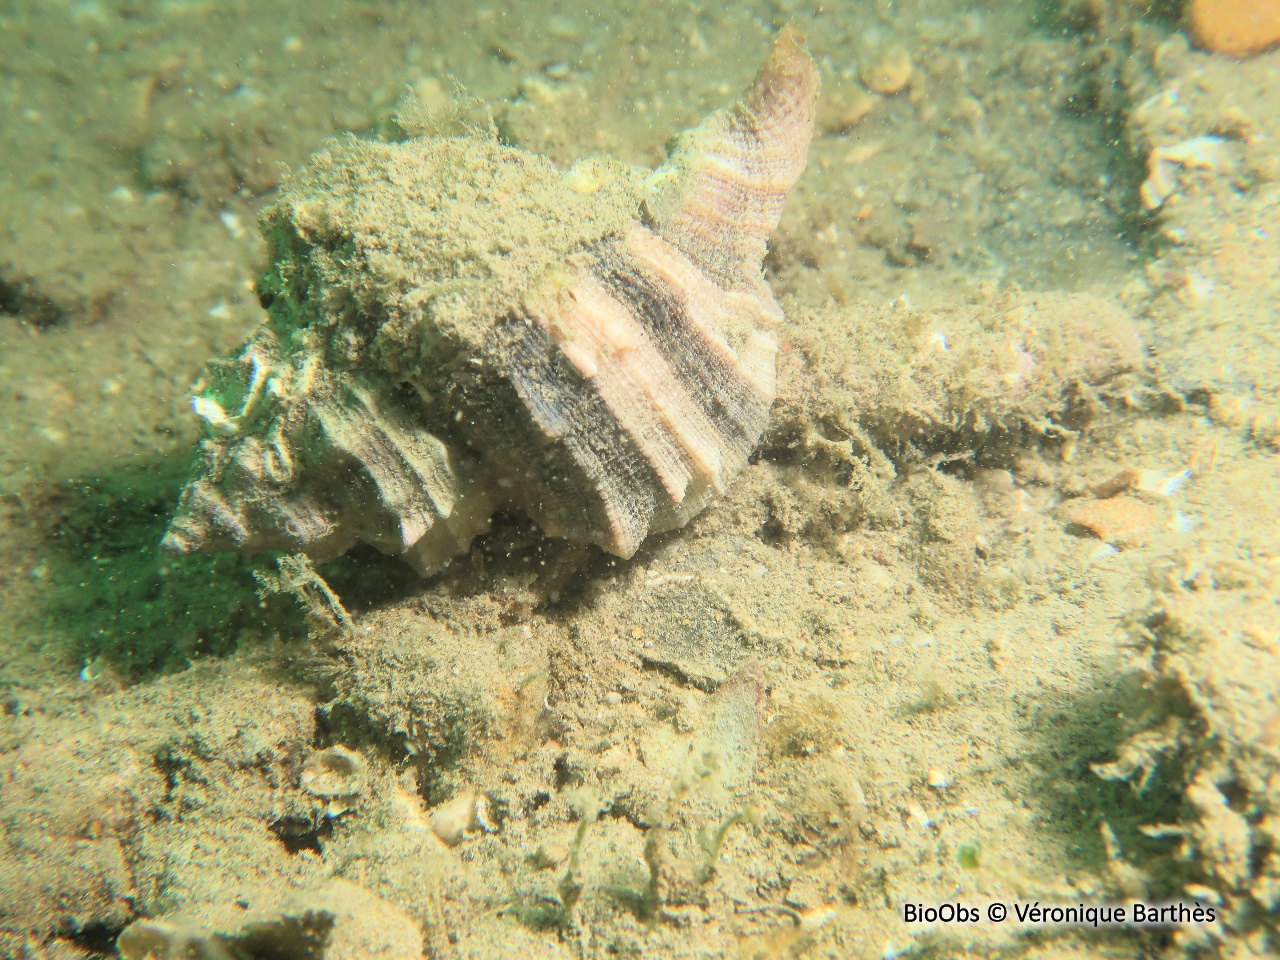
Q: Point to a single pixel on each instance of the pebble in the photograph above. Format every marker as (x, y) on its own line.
(890, 72)
(1235, 27)
(1118, 482)
(843, 108)
(1165, 166)
(1120, 521)
(464, 816)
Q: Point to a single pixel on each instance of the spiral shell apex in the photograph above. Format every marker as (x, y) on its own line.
(454, 327)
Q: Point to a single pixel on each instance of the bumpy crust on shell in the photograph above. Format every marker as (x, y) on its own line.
(456, 327)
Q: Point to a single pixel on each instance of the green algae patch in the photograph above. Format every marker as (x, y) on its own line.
(113, 594)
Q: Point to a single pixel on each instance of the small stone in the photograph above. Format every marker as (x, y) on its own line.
(843, 108)
(1031, 468)
(564, 28)
(1165, 166)
(616, 759)
(995, 481)
(462, 817)
(890, 72)
(431, 93)
(1118, 482)
(916, 815)
(1120, 521)
(1235, 27)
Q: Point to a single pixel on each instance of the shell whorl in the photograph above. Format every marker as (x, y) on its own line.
(457, 327)
(720, 195)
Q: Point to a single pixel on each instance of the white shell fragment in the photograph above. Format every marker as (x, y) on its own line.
(1165, 166)
(337, 776)
(462, 817)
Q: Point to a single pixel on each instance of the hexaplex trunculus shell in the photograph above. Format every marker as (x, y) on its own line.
(455, 326)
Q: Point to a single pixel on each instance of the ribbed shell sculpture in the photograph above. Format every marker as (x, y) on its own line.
(455, 327)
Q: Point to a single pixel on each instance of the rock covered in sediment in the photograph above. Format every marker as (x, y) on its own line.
(338, 921)
(455, 326)
(918, 382)
(1202, 719)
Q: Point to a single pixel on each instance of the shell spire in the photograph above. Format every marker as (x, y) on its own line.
(720, 194)
(455, 327)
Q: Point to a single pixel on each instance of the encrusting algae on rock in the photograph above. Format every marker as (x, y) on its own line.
(455, 327)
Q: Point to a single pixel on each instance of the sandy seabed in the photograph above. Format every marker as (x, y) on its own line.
(991, 619)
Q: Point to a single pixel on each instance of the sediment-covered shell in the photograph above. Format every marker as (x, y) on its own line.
(337, 776)
(455, 326)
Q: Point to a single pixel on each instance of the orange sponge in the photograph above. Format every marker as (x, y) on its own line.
(1235, 27)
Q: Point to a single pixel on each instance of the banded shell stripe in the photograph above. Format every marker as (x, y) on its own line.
(607, 342)
(567, 408)
(730, 175)
(685, 322)
(411, 473)
(737, 325)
